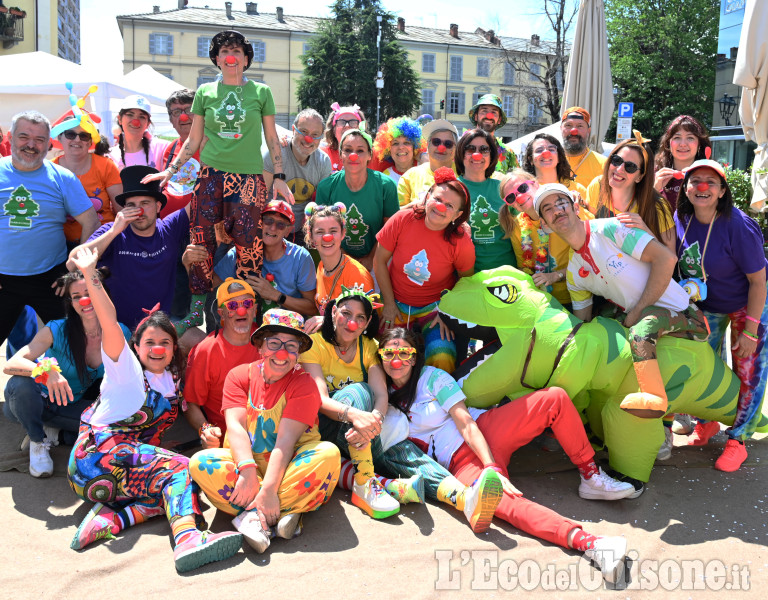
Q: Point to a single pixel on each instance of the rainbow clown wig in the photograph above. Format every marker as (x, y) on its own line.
(395, 128)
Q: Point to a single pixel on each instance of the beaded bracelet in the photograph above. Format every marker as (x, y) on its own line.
(205, 427)
(43, 369)
(749, 336)
(756, 321)
(343, 414)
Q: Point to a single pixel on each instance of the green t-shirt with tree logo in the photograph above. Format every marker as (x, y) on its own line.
(232, 116)
(491, 249)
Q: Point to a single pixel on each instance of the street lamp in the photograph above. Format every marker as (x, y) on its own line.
(379, 74)
(727, 106)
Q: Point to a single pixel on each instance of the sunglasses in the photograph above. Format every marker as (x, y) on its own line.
(83, 135)
(353, 123)
(274, 344)
(177, 112)
(233, 305)
(305, 134)
(481, 149)
(279, 225)
(388, 354)
(519, 191)
(438, 142)
(629, 166)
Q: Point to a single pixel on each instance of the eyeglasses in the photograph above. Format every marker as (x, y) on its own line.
(353, 123)
(274, 344)
(177, 112)
(519, 191)
(388, 354)
(83, 135)
(279, 225)
(233, 305)
(471, 148)
(438, 142)
(561, 204)
(629, 166)
(305, 134)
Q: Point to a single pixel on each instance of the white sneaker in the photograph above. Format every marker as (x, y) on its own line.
(603, 487)
(608, 554)
(683, 425)
(373, 499)
(52, 434)
(40, 461)
(665, 452)
(289, 526)
(481, 500)
(249, 524)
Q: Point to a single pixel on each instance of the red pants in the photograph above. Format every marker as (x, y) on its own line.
(513, 425)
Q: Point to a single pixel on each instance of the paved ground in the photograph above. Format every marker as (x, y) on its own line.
(695, 533)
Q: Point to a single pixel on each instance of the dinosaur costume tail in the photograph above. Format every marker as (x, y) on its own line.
(651, 401)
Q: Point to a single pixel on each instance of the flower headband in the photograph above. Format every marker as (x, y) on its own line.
(357, 292)
(313, 207)
(444, 175)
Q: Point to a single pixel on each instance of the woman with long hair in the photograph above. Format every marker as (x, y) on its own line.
(545, 157)
(135, 143)
(341, 119)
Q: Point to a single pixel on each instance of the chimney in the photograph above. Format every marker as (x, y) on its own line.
(228, 6)
(182, 4)
(155, 9)
(535, 39)
(490, 36)
(734, 52)
(251, 8)
(454, 30)
(721, 58)
(280, 14)
(401, 24)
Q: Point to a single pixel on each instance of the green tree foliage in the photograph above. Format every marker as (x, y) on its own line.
(663, 59)
(341, 64)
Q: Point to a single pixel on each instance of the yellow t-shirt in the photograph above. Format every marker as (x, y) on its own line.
(663, 213)
(338, 373)
(591, 167)
(414, 183)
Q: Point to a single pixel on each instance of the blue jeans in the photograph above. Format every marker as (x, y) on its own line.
(25, 404)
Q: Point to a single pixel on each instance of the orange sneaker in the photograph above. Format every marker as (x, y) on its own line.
(703, 432)
(733, 456)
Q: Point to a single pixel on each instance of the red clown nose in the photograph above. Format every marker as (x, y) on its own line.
(327, 237)
(281, 354)
(135, 123)
(574, 131)
(158, 350)
(308, 139)
(546, 154)
(184, 118)
(477, 156)
(230, 60)
(439, 206)
(441, 148)
(241, 311)
(396, 363)
(352, 325)
(353, 158)
(702, 187)
(84, 301)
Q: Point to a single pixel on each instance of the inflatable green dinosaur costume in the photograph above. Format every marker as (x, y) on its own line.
(542, 344)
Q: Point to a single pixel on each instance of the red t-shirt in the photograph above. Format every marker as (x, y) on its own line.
(335, 158)
(208, 364)
(423, 262)
(181, 186)
(302, 398)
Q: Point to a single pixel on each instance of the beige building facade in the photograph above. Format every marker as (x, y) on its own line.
(51, 26)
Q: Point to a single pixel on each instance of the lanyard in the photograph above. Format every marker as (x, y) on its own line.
(703, 252)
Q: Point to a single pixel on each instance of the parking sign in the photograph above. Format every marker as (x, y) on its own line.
(626, 109)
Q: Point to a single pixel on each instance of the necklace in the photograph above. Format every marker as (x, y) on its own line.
(540, 263)
(329, 271)
(343, 352)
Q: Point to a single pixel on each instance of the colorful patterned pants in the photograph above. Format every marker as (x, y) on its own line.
(752, 371)
(237, 200)
(438, 352)
(308, 482)
(130, 473)
(656, 321)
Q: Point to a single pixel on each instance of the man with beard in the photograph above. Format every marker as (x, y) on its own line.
(36, 196)
(488, 114)
(212, 359)
(139, 247)
(575, 130)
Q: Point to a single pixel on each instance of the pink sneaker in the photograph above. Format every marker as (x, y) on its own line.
(733, 456)
(702, 433)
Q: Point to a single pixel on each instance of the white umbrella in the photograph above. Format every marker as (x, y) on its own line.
(750, 73)
(588, 83)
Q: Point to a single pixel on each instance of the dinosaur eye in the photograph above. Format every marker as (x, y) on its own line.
(507, 293)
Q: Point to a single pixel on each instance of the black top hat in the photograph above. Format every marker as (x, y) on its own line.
(132, 185)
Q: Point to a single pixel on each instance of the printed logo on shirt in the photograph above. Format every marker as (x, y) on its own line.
(616, 264)
(20, 207)
(417, 269)
(229, 116)
(690, 261)
(483, 220)
(356, 228)
(335, 385)
(302, 190)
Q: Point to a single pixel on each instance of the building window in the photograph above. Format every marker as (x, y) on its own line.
(161, 43)
(534, 110)
(534, 71)
(203, 44)
(259, 52)
(456, 103)
(427, 101)
(428, 63)
(204, 77)
(559, 79)
(306, 47)
(509, 106)
(475, 97)
(457, 68)
(509, 74)
(483, 67)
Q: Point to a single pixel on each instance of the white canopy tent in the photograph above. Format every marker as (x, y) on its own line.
(36, 81)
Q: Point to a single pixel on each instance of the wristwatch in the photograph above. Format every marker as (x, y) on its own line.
(281, 300)
(279, 176)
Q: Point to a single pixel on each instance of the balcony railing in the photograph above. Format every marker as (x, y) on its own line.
(11, 26)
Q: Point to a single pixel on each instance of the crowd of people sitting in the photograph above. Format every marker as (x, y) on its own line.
(287, 304)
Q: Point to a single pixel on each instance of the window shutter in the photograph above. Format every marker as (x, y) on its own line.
(462, 107)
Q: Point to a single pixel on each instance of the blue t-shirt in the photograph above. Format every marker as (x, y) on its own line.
(35, 205)
(144, 268)
(63, 355)
(294, 271)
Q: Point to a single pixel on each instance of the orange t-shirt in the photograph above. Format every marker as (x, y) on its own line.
(102, 174)
(352, 274)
